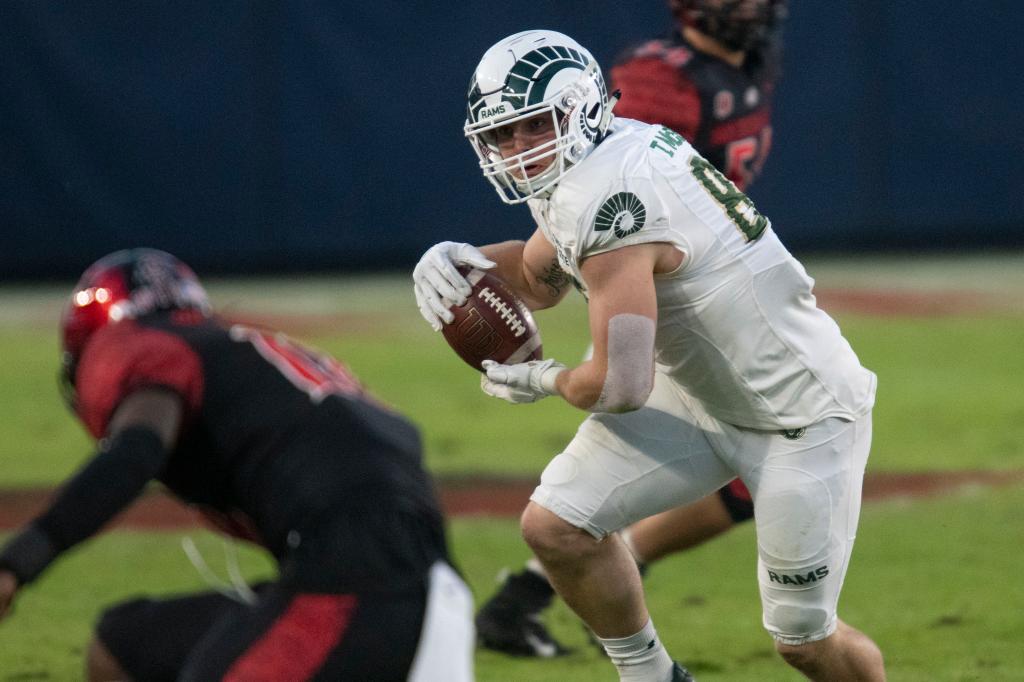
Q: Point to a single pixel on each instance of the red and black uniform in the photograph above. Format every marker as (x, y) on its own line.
(282, 446)
(722, 110)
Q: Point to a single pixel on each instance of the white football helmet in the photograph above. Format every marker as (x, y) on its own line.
(524, 75)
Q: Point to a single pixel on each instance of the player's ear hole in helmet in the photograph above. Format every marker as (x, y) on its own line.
(530, 76)
(123, 285)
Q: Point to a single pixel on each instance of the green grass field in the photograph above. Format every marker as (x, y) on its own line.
(934, 581)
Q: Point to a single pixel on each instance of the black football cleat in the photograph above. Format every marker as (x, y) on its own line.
(521, 635)
(510, 620)
(681, 674)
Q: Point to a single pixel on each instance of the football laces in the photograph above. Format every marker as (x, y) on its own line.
(507, 313)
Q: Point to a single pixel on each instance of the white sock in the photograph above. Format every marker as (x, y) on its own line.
(640, 657)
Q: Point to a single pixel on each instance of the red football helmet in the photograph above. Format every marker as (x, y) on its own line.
(737, 24)
(124, 285)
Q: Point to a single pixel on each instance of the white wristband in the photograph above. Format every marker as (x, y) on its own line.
(548, 379)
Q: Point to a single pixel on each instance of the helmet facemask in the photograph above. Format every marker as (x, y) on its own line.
(570, 88)
(737, 24)
(509, 176)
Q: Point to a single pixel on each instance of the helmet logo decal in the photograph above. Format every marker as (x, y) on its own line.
(622, 212)
(590, 122)
(488, 112)
(527, 81)
(530, 76)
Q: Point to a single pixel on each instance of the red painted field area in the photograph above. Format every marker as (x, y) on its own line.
(496, 496)
(876, 302)
(490, 496)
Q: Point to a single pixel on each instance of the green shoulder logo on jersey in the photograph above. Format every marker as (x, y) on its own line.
(737, 206)
(623, 212)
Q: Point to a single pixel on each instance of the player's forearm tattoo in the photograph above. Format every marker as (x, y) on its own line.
(554, 278)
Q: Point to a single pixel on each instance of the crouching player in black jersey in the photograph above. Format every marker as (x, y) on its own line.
(278, 445)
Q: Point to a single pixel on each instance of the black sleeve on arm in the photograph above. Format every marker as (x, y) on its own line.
(27, 554)
(106, 485)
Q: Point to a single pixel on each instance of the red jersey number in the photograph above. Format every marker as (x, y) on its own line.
(745, 157)
(314, 373)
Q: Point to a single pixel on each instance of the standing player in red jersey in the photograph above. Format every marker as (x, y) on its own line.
(711, 79)
(277, 444)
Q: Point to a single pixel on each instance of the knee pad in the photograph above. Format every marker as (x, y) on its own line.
(794, 518)
(799, 624)
(799, 604)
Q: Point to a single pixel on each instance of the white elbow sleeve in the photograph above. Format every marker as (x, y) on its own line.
(630, 375)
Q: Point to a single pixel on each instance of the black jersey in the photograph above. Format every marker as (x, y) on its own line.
(274, 435)
(722, 110)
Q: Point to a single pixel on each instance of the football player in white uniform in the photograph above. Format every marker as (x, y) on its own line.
(711, 360)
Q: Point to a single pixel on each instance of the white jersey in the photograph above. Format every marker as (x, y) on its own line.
(738, 327)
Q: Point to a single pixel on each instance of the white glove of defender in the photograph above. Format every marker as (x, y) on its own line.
(439, 285)
(525, 382)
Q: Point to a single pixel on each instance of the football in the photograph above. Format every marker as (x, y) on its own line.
(493, 324)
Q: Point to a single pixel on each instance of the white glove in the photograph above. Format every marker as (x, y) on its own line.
(523, 383)
(439, 285)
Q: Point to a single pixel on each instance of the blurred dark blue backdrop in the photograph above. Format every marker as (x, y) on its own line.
(248, 136)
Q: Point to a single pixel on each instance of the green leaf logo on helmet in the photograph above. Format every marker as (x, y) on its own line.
(527, 81)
